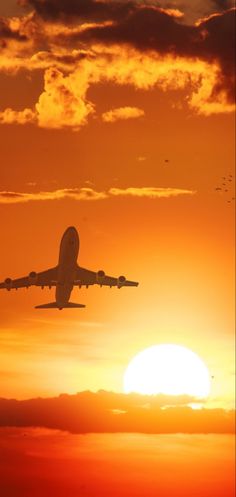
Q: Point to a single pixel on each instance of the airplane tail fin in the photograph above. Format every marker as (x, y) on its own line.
(54, 305)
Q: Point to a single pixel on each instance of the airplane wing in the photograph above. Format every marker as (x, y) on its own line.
(85, 277)
(44, 278)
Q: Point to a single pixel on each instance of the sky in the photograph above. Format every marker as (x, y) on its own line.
(57, 457)
(117, 118)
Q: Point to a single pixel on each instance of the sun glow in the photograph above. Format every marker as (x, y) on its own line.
(167, 369)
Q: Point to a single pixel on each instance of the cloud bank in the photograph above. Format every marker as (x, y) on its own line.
(105, 412)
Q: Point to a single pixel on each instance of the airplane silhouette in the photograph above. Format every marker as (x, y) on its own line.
(66, 275)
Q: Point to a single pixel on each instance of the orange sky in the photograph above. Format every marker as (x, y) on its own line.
(175, 104)
(80, 465)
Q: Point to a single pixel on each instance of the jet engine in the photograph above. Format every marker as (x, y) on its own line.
(100, 277)
(121, 281)
(33, 277)
(8, 283)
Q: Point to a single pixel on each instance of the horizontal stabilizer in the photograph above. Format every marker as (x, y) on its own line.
(55, 305)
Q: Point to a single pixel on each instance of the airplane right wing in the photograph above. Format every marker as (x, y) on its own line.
(85, 277)
(44, 278)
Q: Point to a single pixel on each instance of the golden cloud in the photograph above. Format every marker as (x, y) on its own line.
(110, 44)
(122, 113)
(9, 116)
(89, 194)
(63, 102)
(71, 193)
(150, 192)
(68, 77)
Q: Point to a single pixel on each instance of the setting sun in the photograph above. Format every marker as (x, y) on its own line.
(167, 369)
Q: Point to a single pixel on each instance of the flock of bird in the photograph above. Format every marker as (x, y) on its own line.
(226, 186)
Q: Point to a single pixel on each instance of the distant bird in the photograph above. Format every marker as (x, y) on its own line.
(229, 201)
(223, 184)
(226, 190)
(218, 188)
(167, 160)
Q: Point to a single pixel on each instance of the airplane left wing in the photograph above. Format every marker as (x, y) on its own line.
(44, 278)
(85, 277)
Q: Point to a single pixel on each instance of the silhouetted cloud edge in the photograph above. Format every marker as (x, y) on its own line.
(108, 412)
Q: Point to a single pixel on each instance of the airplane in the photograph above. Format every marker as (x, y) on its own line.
(66, 275)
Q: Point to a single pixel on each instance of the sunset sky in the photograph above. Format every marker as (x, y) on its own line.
(117, 118)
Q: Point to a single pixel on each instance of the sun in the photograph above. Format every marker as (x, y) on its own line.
(167, 369)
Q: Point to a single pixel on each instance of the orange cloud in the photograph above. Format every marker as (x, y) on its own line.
(68, 77)
(89, 194)
(116, 55)
(150, 192)
(122, 113)
(73, 193)
(176, 13)
(9, 116)
(63, 102)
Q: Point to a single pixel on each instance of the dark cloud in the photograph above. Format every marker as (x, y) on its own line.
(148, 28)
(219, 44)
(222, 4)
(6, 33)
(106, 412)
(84, 9)
(82, 25)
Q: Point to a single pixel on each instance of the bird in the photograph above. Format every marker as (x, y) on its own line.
(167, 160)
(218, 188)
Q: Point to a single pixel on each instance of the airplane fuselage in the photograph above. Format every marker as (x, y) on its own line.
(67, 265)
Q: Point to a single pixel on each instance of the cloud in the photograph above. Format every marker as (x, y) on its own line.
(141, 158)
(145, 26)
(10, 116)
(89, 194)
(9, 32)
(150, 192)
(63, 102)
(115, 413)
(65, 10)
(131, 43)
(71, 193)
(149, 28)
(122, 113)
(222, 4)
